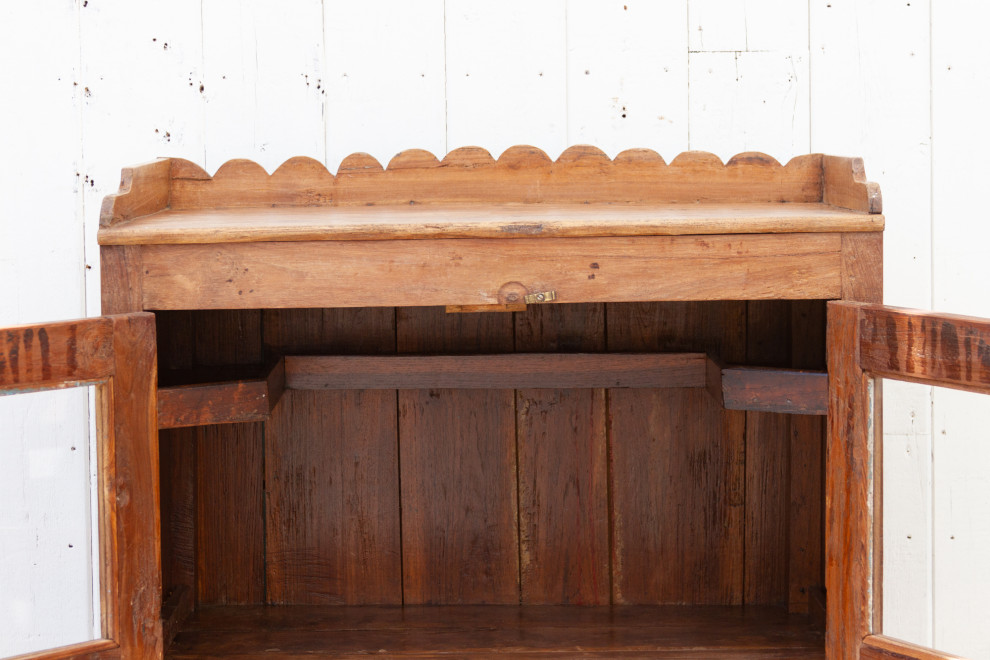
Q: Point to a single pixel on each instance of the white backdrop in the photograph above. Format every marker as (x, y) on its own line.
(88, 86)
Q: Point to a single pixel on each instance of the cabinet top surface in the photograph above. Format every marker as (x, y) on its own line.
(471, 195)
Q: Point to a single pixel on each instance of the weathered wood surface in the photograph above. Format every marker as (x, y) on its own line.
(522, 173)
(120, 279)
(879, 647)
(331, 470)
(130, 532)
(216, 403)
(862, 267)
(477, 271)
(936, 349)
(505, 220)
(507, 371)
(458, 470)
(845, 185)
(496, 631)
(849, 569)
(175, 610)
(562, 454)
(100, 649)
(144, 189)
(677, 464)
(36, 356)
(775, 390)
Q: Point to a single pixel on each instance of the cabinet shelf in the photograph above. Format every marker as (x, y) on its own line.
(496, 630)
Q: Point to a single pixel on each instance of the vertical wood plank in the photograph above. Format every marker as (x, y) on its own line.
(177, 456)
(848, 489)
(563, 491)
(391, 101)
(333, 499)
(517, 98)
(131, 484)
(121, 284)
(767, 463)
(332, 523)
(862, 267)
(806, 464)
(264, 84)
(230, 551)
(457, 470)
(627, 81)
(694, 523)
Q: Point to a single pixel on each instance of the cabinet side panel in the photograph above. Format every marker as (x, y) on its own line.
(676, 463)
(862, 267)
(767, 462)
(331, 464)
(458, 470)
(120, 277)
(563, 491)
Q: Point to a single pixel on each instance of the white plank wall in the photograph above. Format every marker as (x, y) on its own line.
(89, 86)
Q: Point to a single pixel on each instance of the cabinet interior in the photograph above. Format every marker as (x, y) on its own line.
(599, 520)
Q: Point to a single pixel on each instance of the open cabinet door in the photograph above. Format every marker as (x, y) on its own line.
(116, 354)
(866, 343)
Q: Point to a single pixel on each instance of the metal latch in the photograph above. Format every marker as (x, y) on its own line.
(541, 297)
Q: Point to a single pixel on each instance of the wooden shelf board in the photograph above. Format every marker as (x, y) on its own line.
(503, 371)
(528, 631)
(476, 220)
(237, 400)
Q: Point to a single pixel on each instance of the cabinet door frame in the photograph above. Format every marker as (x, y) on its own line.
(868, 342)
(117, 355)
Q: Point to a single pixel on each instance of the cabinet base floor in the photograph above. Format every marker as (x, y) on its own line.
(495, 630)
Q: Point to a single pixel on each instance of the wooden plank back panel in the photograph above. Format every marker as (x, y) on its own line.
(457, 457)
(806, 523)
(563, 485)
(676, 464)
(332, 522)
(230, 533)
(333, 499)
(768, 339)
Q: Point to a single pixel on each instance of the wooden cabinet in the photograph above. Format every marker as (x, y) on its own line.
(519, 406)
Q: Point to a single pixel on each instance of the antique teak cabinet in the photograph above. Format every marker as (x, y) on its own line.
(468, 407)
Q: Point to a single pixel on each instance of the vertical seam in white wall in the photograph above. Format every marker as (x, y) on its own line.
(446, 89)
(567, 87)
(202, 73)
(687, 46)
(811, 105)
(323, 104)
(931, 257)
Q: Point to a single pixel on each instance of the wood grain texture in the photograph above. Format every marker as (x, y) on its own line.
(506, 371)
(100, 649)
(510, 219)
(497, 631)
(768, 342)
(521, 173)
(880, 647)
(457, 457)
(332, 520)
(214, 403)
(862, 267)
(144, 189)
(175, 610)
(36, 356)
(177, 459)
(474, 271)
(845, 185)
(230, 550)
(768, 389)
(807, 522)
(936, 349)
(676, 464)
(121, 279)
(130, 481)
(332, 515)
(848, 490)
(563, 486)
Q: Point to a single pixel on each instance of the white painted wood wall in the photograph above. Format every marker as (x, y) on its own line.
(88, 86)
